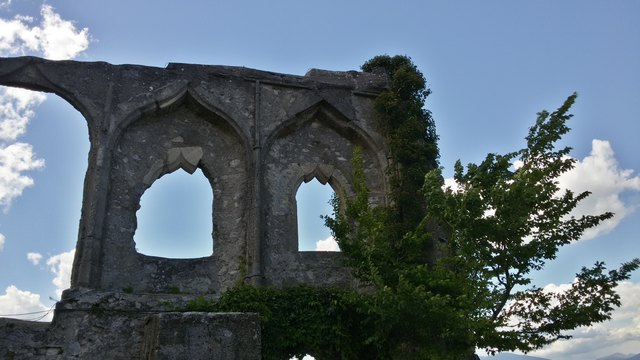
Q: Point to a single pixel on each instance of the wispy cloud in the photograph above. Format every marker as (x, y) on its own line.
(600, 173)
(15, 159)
(34, 258)
(60, 265)
(16, 110)
(54, 37)
(59, 38)
(22, 304)
(328, 244)
(15, 301)
(620, 334)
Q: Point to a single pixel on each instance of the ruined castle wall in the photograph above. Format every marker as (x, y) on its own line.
(256, 136)
(140, 157)
(116, 326)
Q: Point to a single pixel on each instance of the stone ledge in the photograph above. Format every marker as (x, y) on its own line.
(114, 330)
(95, 300)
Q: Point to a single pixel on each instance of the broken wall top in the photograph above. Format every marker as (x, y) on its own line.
(98, 87)
(256, 135)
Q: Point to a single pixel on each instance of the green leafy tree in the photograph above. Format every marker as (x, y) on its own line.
(504, 224)
(455, 273)
(414, 305)
(443, 271)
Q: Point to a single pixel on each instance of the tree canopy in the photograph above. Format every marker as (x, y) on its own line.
(459, 277)
(443, 270)
(506, 219)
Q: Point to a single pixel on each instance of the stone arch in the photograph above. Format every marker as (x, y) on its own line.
(145, 122)
(179, 95)
(186, 158)
(316, 143)
(332, 117)
(327, 115)
(181, 133)
(325, 175)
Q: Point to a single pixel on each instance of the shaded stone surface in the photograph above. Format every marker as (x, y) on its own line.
(174, 336)
(256, 136)
(91, 324)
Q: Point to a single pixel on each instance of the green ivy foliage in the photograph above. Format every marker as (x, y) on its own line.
(327, 323)
(410, 134)
(424, 298)
(330, 323)
(501, 225)
(419, 309)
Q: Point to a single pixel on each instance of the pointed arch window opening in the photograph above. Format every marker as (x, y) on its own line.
(313, 202)
(175, 218)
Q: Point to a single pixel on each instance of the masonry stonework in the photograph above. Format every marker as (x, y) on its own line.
(256, 136)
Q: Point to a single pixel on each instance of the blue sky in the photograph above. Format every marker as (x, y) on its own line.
(491, 66)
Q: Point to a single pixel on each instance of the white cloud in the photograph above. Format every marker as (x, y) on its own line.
(600, 173)
(328, 244)
(16, 301)
(14, 160)
(59, 38)
(452, 184)
(620, 334)
(16, 37)
(56, 38)
(61, 265)
(16, 110)
(34, 257)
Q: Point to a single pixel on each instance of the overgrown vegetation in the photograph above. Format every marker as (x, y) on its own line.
(502, 224)
(410, 134)
(420, 307)
(447, 270)
(327, 323)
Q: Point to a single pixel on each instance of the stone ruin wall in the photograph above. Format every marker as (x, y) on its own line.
(255, 135)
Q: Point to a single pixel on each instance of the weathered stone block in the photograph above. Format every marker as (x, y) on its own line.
(193, 336)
